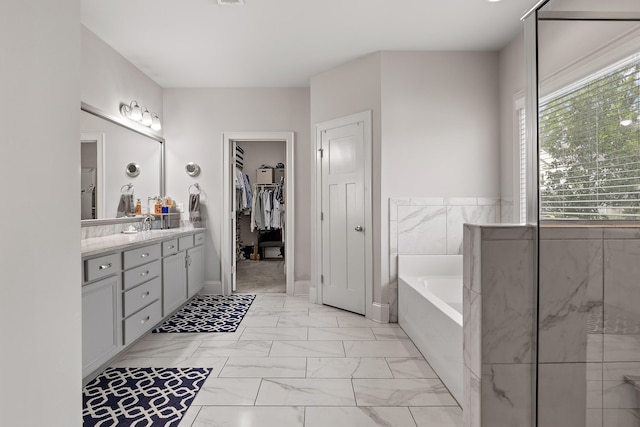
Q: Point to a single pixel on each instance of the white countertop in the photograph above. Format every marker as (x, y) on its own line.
(116, 242)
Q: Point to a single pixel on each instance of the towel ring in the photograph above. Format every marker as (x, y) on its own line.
(197, 187)
(126, 188)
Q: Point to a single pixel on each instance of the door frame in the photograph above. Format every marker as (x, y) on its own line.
(226, 244)
(365, 118)
(98, 139)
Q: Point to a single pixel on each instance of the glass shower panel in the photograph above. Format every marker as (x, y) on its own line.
(589, 214)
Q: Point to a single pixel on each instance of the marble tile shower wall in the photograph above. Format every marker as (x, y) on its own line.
(432, 226)
(498, 325)
(589, 326)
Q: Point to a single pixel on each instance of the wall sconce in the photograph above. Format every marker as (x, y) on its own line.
(141, 115)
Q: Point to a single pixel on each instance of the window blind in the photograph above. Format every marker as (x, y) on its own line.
(590, 147)
(522, 139)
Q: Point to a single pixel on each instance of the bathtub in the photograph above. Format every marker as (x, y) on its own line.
(430, 312)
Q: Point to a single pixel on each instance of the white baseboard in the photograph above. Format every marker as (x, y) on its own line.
(380, 312)
(212, 287)
(313, 294)
(302, 287)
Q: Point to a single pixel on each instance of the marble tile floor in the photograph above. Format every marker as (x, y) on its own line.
(292, 363)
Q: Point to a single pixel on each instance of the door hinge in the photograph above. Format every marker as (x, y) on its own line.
(321, 150)
(322, 278)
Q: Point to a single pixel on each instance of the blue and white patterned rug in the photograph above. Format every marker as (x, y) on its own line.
(141, 396)
(209, 313)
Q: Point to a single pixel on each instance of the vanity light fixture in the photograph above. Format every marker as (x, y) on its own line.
(142, 115)
(155, 122)
(146, 117)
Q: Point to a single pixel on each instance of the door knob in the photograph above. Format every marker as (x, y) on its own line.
(359, 228)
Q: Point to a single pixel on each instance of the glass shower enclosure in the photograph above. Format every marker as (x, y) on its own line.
(584, 200)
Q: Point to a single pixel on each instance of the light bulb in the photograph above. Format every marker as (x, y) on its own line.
(155, 122)
(146, 118)
(136, 112)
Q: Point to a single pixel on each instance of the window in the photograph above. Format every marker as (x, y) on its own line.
(522, 143)
(590, 147)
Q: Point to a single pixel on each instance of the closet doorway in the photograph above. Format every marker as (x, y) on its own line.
(258, 213)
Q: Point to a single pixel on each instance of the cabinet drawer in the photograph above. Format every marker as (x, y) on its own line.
(170, 247)
(198, 239)
(101, 267)
(141, 274)
(185, 242)
(141, 322)
(141, 256)
(138, 297)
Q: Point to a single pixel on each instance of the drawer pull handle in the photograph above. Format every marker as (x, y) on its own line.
(146, 294)
(144, 273)
(144, 255)
(145, 320)
(104, 266)
(171, 247)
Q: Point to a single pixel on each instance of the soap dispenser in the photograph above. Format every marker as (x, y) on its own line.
(138, 207)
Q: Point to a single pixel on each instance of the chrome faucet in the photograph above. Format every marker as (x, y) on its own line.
(146, 223)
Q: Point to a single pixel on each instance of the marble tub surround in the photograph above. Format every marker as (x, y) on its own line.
(589, 325)
(271, 372)
(432, 226)
(498, 326)
(114, 242)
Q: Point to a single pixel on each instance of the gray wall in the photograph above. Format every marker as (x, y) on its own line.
(347, 89)
(435, 131)
(108, 79)
(40, 263)
(196, 120)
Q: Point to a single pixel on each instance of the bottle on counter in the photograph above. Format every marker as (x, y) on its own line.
(138, 207)
(157, 209)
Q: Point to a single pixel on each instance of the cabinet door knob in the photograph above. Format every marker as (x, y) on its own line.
(145, 320)
(144, 273)
(144, 255)
(359, 228)
(104, 266)
(146, 294)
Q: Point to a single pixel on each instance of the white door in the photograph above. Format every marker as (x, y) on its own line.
(343, 272)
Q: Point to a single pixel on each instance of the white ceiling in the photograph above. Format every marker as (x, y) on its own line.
(282, 43)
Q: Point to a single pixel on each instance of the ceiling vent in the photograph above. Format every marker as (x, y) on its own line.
(230, 2)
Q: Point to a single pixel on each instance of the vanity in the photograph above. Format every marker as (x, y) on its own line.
(133, 282)
(133, 278)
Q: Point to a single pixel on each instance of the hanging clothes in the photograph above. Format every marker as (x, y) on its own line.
(268, 209)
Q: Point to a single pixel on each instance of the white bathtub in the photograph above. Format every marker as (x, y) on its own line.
(430, 312)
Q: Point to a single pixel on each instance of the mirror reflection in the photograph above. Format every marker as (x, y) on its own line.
(107, 150)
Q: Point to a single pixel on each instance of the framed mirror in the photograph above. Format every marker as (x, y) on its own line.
(108, 145)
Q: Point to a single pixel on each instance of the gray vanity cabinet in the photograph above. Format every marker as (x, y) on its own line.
(101, 314)
(174, 282)
(195, 265)
(142, 288)
(127, 292)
